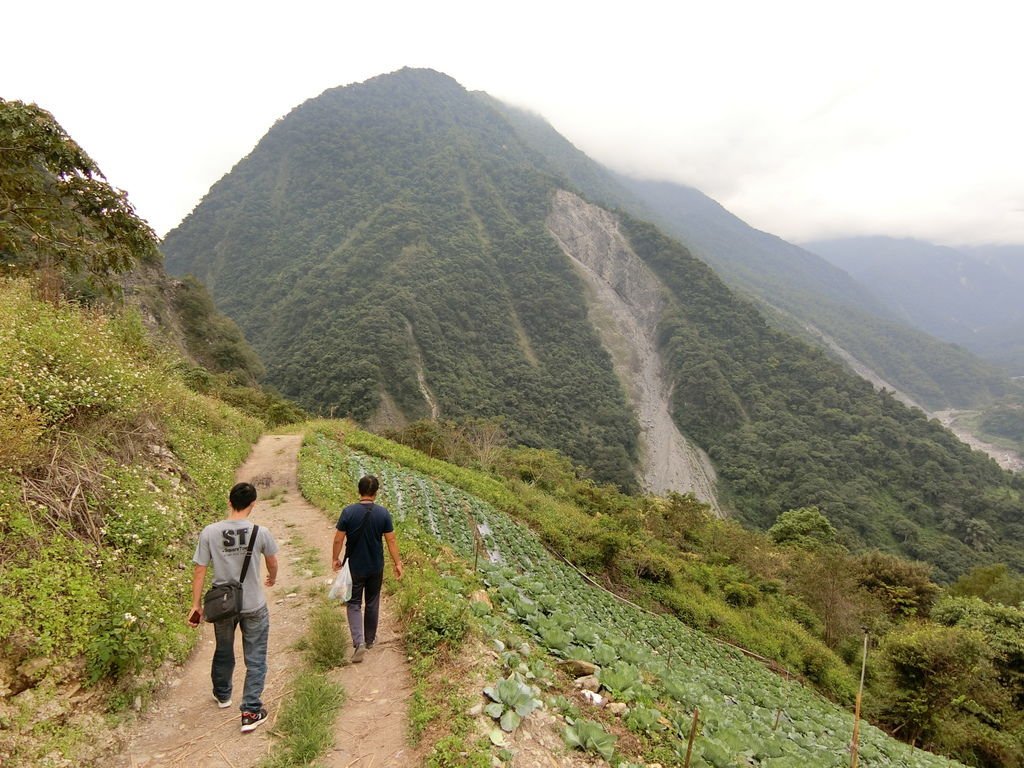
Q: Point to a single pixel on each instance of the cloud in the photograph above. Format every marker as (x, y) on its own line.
(804, 118)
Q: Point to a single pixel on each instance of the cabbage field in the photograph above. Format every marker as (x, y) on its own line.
(749, 716)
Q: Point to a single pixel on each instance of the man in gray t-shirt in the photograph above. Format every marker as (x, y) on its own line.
(224, 544)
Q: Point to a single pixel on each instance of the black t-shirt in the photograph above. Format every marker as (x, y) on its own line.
(366, 555)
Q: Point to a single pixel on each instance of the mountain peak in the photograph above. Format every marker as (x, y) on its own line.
(410, 80)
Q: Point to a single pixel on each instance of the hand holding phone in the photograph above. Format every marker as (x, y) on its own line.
(194, 618)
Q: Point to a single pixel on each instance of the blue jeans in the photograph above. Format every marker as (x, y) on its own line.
(368, 587)
(255, 633)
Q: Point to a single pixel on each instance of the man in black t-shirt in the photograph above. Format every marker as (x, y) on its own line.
(362, 527)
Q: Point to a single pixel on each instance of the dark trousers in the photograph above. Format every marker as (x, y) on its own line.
(364, 628)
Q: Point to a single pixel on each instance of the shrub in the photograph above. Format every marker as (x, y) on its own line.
(935, 675)
(806, 528)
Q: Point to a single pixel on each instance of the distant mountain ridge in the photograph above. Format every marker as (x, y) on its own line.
(388, 250)
(970, 297)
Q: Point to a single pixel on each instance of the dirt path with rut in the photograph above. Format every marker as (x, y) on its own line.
(184, 726)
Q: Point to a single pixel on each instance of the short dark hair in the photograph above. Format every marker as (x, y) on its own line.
(242, 495)
(368, 485)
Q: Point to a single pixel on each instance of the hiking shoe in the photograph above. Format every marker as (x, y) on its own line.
(369, 645)
(222, 703)
(357, 654)
(252, 719)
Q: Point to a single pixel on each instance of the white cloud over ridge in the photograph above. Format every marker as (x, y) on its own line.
(806, 119)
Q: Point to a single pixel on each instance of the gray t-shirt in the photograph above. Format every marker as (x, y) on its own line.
(224, 543)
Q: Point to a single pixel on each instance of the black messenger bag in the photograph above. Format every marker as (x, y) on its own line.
(224, 601)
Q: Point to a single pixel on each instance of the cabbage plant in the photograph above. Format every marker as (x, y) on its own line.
(511, 701)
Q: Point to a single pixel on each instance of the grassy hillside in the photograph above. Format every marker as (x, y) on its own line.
(109, 464)
(111, 456)
(651, 661)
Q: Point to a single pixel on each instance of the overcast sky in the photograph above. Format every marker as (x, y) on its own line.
(806, 119)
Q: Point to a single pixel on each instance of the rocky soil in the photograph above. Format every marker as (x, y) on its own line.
(626, 300)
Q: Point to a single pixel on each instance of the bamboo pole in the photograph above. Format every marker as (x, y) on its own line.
(778, 712)
(855, 743)
(693, 733)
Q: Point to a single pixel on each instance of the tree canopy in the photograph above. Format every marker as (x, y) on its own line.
(57, 211)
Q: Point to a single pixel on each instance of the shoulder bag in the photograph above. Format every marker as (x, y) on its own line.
(224, 601)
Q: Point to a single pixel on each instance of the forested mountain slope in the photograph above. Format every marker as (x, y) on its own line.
(386, 248)
(806, 294)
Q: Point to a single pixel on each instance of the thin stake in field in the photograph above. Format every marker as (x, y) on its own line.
(693, 734)
(855, 743)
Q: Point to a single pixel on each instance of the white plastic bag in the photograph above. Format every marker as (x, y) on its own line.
(341, 589)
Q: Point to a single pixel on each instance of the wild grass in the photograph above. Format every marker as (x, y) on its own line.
(306, 722)
(327, 642)
(109, 466)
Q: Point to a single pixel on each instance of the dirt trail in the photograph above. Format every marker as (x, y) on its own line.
(185, 728)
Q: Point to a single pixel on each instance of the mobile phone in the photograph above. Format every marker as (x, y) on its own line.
(194, 618)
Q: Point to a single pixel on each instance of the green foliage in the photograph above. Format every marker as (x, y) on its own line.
(991, 583)
(94, 399)
(511, 701)
(50, 597)
(435, 621)
(326, 644)
(470, 442)
(805, 527)
(259, 402)
(623, 681)
(57, 213)
(903, 588)
(1003, 629)
(453, 751)
(645, 720)
(1005, 421)
(306, 722)
(945, 693)
(214, 340)
(122, 641)
(58, 365)
(590, 737)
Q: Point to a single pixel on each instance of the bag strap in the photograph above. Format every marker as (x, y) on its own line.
(248, 555)
(358, 530)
